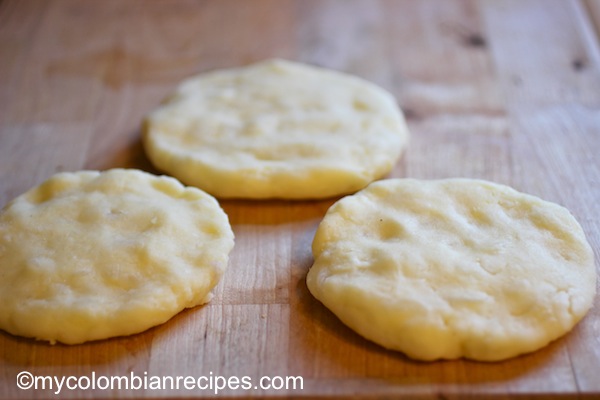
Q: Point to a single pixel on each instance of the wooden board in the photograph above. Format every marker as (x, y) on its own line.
(502, 90)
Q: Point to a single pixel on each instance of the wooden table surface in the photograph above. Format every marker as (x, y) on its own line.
(507, 91)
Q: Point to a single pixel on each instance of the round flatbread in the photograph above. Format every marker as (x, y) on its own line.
(91, 255)
(276, 129)
(453, 268)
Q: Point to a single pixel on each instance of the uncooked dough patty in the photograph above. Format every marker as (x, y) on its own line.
(453, 268)
(90, 255)
(276, 129)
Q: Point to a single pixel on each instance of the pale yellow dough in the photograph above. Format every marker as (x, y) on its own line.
(276, 129)
(90, 255)
(453, 268)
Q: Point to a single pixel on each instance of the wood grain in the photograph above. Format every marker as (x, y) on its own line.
(502, 90)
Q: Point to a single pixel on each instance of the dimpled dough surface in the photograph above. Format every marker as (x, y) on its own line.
(91, 255)
(276, 129)
(452, 268)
